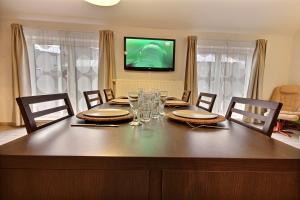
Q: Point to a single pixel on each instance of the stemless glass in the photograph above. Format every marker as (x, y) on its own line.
(146, 112)
(134, 102)
(162, 101)
(146, 103)
(155, 105)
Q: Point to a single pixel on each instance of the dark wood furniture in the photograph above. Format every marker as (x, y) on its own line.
(109, 94)
(29, 116)
(186, 95)
(269, 120)
(89, 100)
(164, 160)
(209, 104)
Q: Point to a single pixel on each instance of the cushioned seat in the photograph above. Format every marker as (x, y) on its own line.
(288, 117)
(289, 95)
(290, 113)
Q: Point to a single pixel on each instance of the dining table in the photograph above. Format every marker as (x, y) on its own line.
(161, 159)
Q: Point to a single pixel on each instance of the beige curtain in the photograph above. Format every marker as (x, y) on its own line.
(20, 69)
(107, 60)
(190, 81)
(257, 75)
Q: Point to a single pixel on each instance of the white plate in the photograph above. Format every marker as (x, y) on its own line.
(120, 101)
(177, 102)
(195, 114)
(106, 112)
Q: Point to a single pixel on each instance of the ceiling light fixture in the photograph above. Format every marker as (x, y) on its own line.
(103, 2)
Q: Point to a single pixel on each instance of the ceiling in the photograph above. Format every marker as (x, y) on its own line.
(260, 16)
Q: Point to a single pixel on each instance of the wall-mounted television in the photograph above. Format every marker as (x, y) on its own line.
(149, 54)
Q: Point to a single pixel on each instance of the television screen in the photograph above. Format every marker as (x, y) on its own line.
(149, 54)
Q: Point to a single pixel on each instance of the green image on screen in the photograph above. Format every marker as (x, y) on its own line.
(149, 53)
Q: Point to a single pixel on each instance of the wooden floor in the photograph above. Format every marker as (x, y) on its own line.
(294, 140)
(9, 133)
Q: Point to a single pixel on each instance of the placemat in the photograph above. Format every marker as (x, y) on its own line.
(105, 119)
(172, 98)
(220, 118)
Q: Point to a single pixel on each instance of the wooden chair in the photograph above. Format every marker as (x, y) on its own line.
(186, 95)
(29, 116)
(269, 120)
(89, 100)
(109, 94)
(209, 103)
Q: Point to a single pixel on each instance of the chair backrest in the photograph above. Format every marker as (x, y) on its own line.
(209, 103)
(289, 96)
(269, 119)
(89, 100)
(29, 116)
(186, 95)
(109, 95)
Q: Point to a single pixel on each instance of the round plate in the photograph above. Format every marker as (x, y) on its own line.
(120, 101)
(171, 116)
(105, 119)
(195, 114)
(106, 112)
(176, 103)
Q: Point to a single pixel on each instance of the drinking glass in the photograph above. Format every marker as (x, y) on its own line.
(134, 102)
(146, 111)
(146, 106)
(155, 104)
(162, 101)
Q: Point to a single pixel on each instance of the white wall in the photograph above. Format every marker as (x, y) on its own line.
(295, 67)
(276, 72)
(278, 63)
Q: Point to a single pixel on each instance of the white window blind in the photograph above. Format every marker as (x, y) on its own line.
(63, 62)
(224, 68)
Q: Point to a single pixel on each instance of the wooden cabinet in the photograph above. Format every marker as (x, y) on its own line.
(73, 184)
(148, 179)
(208, 185)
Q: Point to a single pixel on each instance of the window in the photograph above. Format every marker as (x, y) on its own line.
(224, 68)
(62, 62)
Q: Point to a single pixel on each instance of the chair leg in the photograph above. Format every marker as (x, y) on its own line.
(279, 129)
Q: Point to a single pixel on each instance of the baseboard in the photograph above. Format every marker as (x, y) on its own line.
(7, 124)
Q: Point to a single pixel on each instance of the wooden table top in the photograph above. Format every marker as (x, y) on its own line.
(161, 138)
